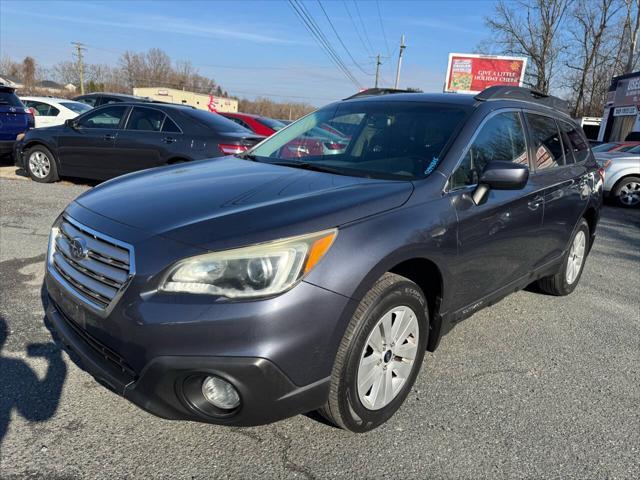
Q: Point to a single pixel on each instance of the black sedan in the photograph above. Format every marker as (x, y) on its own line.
(120, 138)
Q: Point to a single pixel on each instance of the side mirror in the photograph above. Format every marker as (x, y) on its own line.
(72, 123)
(499, 175)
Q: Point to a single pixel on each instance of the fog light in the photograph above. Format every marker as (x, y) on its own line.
(220, 393)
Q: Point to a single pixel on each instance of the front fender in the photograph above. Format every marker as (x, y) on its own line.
(610, 181)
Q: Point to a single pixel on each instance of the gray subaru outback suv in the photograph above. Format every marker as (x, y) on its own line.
(315, 270)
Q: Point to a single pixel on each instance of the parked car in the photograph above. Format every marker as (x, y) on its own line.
(15, 119)
(49, 111)
(622, 181)
(611, 147)
(115, 139)
(246, 289)
(255, 123)
(101, 98)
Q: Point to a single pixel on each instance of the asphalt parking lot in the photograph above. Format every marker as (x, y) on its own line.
(535, 386)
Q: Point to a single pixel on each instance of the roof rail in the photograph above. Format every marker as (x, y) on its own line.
(370, 92)
(523, 94)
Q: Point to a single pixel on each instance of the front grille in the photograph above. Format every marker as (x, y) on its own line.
(96, 267)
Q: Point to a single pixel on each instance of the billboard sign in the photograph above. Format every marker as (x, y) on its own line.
(472, 73)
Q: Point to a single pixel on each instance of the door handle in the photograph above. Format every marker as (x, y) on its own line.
(109, 136)
(536, 202)
(169, 140)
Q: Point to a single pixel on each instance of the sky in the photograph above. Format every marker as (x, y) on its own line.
(256, 48)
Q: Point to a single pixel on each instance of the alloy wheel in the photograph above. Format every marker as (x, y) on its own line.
(576, 257)
(39, 164)
(630, 194)
(387, 358)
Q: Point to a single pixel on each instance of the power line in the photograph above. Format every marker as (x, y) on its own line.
(364, 29)
(342, 43)
(327, 42)
(355, 27)
(317, 34)
(384, 34)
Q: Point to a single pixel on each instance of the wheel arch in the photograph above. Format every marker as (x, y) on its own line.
(427, 275)
(35, 142)
(422, 269)
(591, 216)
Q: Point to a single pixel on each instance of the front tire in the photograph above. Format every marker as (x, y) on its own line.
(566, 279)
(41, 164)
(380, 355)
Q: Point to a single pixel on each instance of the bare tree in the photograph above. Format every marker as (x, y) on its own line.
(29, 73)
(133, 66)
(66, 72)
(9, 67)
(590, 20)
(633, 26)
(158, 67)
(531, 28)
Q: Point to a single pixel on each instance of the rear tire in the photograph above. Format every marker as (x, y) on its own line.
(566, 279)
(378, 361)
(41, 164)
(627, 192)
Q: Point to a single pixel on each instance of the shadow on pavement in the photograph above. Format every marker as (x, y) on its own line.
(20, 388)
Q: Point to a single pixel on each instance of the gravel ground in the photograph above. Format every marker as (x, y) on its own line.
(535, 386)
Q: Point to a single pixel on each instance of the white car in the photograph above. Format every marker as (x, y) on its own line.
(622, 177)
(48, 111)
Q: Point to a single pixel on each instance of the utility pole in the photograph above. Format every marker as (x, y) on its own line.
(79, 49)
(402, 47)
(378, 63)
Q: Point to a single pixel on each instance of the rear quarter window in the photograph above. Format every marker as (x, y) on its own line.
(8, 97)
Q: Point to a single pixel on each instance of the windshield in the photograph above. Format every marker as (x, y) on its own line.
(215, 121)
(634, 150)
(76, 106)
(9, 98)
(604, 147)
(272, 124)
(401, 140)
(627, 148)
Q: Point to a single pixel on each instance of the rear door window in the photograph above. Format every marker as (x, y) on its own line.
(145, 119)
(546, 141)
(42, 109)
(578, 142)
(500, 138)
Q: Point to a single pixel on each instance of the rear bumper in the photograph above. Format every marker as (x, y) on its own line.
(266, 393)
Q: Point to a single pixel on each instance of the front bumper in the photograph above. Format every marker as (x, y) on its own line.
(266, 393)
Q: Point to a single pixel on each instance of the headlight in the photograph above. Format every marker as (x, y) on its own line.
(254, 271)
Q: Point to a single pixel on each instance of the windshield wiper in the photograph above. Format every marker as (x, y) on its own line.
(309, 166)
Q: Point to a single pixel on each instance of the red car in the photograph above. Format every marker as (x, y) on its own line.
(255, 123)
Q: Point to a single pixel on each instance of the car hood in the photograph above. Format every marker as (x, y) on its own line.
(227, 202)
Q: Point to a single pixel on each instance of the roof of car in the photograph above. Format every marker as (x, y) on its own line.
(109, 94)
(452, 98)
(46, 99)
(141, 103)
(241, 114)
(495, 93)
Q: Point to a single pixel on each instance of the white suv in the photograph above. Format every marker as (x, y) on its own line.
(53, 111)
